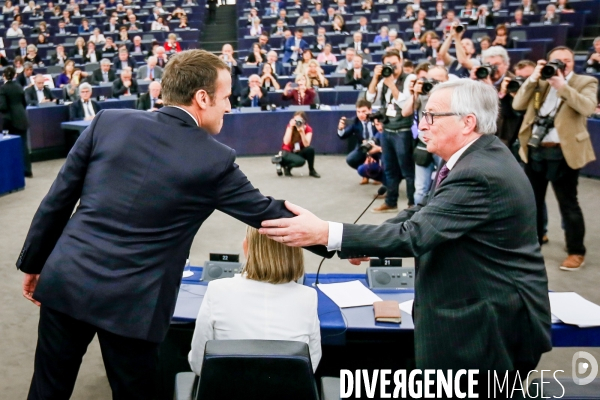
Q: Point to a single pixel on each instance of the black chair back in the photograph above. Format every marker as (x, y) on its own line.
(256, 370)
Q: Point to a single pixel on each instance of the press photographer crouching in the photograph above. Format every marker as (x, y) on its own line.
(372, 168)
(296, 149)
(425, 162)
(555, 142)
(495, 71)
(363, 131)
(390, 86)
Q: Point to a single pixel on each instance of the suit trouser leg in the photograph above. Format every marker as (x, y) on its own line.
(391, 168)
(356, 158)
(130, 365)
(292, 160)
(62, 342)
(565, 189)
(539, 183)
(308, 153)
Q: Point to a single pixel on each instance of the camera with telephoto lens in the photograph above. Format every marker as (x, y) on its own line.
(551, 69)
(544, 125)
(366, 146)
(379, 116)
(515, 84)
(299, 122)
(428, 85)
(485, 71)
(387, 70)
(459, 28)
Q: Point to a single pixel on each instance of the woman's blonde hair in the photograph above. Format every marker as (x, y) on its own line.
(271, 261)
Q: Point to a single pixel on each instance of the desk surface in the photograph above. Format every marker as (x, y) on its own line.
(336, 322)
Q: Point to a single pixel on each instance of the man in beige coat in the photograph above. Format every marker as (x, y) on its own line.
(557, 110)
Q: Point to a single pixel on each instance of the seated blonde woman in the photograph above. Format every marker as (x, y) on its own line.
(263, 303)
(315, 75)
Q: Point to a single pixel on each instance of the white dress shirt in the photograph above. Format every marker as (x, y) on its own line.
(402, 96)
(336, 229)
(239, 308)
(549, 108)
(40, 95)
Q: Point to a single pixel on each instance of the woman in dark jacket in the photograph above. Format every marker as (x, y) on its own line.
(12, 107)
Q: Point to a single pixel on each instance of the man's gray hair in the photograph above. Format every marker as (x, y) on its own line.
(84, 85)
(597, 40)
(473, 97)
(105, 61)
(496, 51)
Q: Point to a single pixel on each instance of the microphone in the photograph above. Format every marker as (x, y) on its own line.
(380, 192)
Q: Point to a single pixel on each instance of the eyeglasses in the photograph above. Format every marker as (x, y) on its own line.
(428, 115)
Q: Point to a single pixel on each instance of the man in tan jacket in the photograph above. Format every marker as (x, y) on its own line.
(557, 110)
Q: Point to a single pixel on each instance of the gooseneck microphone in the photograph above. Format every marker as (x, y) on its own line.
(380, 192)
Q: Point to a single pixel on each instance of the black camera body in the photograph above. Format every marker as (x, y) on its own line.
(552, 68)
(515, 84)
(459, 28)
(379, 116)
(428, 85)
(485, 71)
(299, 122)
(545, 124)
(388, 70)
(365, 147)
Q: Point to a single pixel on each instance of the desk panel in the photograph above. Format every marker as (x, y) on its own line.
(11, 164)
(593, 168)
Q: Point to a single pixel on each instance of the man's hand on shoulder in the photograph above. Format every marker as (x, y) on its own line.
(306, 229)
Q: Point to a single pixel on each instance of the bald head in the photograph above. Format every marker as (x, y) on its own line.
(154, 89)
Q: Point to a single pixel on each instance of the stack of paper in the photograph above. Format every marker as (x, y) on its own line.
(573, 309)
(349, 294)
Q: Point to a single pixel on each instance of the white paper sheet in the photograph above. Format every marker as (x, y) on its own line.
(407, 306)
(573, 309)
(349, 294)
(187, 274)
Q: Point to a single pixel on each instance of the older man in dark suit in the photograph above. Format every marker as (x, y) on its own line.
(84, 109)
(38, 93)
(125, 85)
(143, 183)
(254, 95)
(481, 290)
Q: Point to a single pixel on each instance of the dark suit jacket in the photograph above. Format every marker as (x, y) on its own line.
(364, 80)
(131, 47)
(116, 63)
(489, 20)
(288, 48)
(54, 59)
(481, 290)
(31, 95)
(246, 102)
(144, 103)
(76, 112)
(116, 263)
(278, 68)
(509, 121)
(98, 56)
(12, 106)
(97, 76)
(354, 129)
(22, 80)
(118, 89)
(554, 20)
(18, 52)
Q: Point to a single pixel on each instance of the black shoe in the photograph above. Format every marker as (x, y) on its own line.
(287, 171)
(278, 169)
(314, 174)
(28, 175)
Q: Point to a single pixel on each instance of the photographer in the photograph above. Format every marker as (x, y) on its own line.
(388, 84)
(372, 168)
(465, 51)
(495, 71)
(363, 131)
(555, 142)
(425, 162)
(296, 149)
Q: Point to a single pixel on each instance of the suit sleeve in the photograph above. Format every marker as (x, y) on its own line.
(235, 196)
(56, 208)
(203, 332)
(523, 97)
(29, 98)
(3, 102)
(582, 100)
(74, 112)
(458, 207)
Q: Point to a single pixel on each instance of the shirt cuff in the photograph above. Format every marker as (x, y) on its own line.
(340, 132)
(334, 241)
(370, 97)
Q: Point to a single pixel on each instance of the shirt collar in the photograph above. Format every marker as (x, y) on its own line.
(183, 109)
(454, 158)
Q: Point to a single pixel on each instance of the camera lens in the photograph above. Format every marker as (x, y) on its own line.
(482, 72)
(426, 88)
(548, 71)
(459, 28)
(387, 70)
(514, 85)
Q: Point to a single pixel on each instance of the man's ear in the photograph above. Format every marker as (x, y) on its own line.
(202, 99)
(470, 123)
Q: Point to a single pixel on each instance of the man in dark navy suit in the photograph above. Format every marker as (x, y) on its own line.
(145, 183)
(294, 47)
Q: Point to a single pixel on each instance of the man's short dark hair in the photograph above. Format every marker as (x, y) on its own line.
(559, 48)
(190, 71)
(424, 66)
(363, 103)
(524, 63)
(408, 64)
(300, 30)
(391, 53)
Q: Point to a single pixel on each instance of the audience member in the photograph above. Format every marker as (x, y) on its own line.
(84, 27)
(14, 115)
(268, 78)
(38, 93)
(263, 42)
(112, 25)
(84, 109)
(278, 28)
(383, 35)
(518, 19)
(502, 38)
(450, 20)
(110, 49)
(256, 56)
(296, 149)
(563, 6)
(346, 64)
(294, 47)
(439, 10)
(565, 146)
(24, 78)
(104, 74)
(71, 89)
(422, 20)
(172, 45)
(360, 130)
(551, 17)
(93, 55)
(592, 65)
(315, 76)
(137, 47)
(341, 7)
(229, 59)
(392, 35)
(14, 30)
(59, 58)
(150, 71)
(276, 65)
(97, 37)
(33, 57)
(359, 46)
(161, 56)
(463, 63)
(318, 10)
(326, 57)
(264, 302)
(22, 49)
(497, 8)
(79, 48)
(363, 25)
(152, 100)
(125, 85)
(319, 46)
(338, 25)
(482, 18)
(305, 19)
(299, 93)
(256, 29)
(254, 95)
(123, 60)
(417, 32)
(528, 7)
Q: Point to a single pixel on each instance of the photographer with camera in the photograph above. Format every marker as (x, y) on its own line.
(372, 167)
(495, 71)
(425, 162)
(362, 130)
(555, 142)
(296, 149)
(463, 63)
(390, 86)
